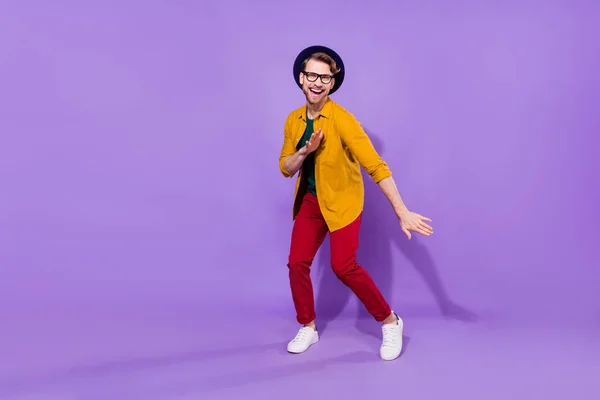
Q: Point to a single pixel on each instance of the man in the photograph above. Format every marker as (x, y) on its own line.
(327, 146)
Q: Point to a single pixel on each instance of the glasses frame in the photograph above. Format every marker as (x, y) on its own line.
(319, 76)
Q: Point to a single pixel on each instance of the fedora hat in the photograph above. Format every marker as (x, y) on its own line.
(304, 54)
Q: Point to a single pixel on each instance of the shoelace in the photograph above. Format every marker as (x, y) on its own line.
(302, 335)
(389, 337)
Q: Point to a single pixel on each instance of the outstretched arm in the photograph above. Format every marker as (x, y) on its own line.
(389, 189)
(360, 145)
(409, 221)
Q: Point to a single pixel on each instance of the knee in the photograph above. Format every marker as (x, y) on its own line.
(298, 264)
(343, 267)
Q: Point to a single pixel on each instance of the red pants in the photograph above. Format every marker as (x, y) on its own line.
(308, 234)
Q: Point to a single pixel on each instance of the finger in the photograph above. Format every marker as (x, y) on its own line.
(407, 232)
(419, 229)
(422, 232)
(425, 226)
(425, 232)
(423, 218)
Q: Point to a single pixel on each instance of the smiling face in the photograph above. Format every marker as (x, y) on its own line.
(317, 78)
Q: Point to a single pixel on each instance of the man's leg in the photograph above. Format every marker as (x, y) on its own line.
(344, 245)
(308, 234)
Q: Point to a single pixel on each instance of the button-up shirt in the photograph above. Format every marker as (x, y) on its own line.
(345, 147)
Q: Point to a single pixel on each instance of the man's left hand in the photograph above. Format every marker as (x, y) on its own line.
(410, 221)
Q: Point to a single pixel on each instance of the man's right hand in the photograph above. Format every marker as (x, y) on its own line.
(294, 162)
(313, 143)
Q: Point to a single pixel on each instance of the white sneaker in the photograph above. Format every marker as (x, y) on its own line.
(392, 340)
(305, 338)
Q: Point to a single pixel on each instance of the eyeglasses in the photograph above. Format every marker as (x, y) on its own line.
(312, 77)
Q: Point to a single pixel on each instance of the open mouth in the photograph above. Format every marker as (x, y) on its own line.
(316, 91)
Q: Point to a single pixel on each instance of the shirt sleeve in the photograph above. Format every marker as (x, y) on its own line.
(356, 139)
(287, 149)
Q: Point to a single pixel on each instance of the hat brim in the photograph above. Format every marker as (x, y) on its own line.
(304, 54)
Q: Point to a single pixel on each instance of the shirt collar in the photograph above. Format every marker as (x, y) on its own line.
(325, 111)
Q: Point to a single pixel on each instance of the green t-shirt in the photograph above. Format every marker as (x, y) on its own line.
(308, 166)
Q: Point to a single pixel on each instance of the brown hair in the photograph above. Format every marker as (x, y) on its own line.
(323, 58)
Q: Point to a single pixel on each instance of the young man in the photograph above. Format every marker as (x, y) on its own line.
(327, 146)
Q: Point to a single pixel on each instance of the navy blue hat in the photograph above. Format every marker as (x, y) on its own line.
(304, 54)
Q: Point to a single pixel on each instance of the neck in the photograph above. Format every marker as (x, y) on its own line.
(313, 110)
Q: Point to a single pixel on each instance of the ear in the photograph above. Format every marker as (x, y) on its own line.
(301, 78)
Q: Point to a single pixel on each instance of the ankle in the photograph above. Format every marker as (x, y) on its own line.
(311, 325)
(391, 319)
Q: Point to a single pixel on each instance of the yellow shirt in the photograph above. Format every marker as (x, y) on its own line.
(345, 147)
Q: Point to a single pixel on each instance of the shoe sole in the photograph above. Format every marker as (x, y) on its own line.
(393, 358)
(302, 351)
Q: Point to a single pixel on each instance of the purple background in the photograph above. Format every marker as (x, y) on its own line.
(144, 224)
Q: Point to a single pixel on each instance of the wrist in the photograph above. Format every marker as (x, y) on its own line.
(402, 212)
